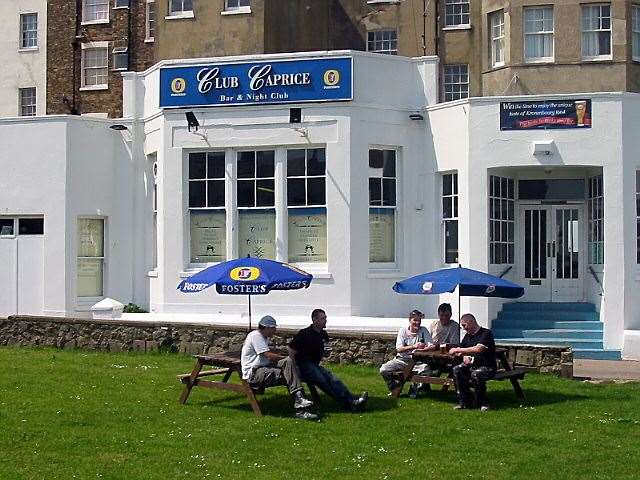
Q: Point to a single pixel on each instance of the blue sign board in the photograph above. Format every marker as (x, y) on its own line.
(257, 83)
(545, 114)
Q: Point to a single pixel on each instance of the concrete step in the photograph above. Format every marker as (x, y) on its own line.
(556, 315)
(549, 306)
(552, 333)
(545, 324)
(596, 354)
(574, 343)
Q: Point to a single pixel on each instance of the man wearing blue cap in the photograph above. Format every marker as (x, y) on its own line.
(263, 368)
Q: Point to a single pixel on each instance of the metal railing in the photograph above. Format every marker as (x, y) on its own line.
(595, 277)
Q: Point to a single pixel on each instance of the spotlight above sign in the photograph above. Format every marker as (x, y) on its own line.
(257, 83)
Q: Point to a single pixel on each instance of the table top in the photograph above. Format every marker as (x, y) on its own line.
(422, 354)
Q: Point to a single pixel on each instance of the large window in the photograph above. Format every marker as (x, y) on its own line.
(27, 101)
(150, 20)
(95, 11)
(383, 41)
(29, 30)
(496, 43)
(90, 257)
(635, 32)
(95, 66)
(596, 32)
(256, 202)
(231, 5)
(207, 214)
(306, 201)
(538, 34)
(456, 13)
(456, 82)
(382, 206)
(595, 204)
(450, 216)
(180, 7)
(501, 219)
(120, 58)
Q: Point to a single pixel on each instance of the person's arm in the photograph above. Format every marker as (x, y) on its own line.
(400, 345)
(273, 356)
(479, 348)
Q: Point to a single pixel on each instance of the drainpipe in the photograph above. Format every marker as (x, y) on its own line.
(76, 45)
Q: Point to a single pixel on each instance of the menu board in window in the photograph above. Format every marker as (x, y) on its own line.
(208, 236)
(381, 235)
(257, 233)
(307, 235)
(90, 277)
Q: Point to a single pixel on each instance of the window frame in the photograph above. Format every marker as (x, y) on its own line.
(541, 33)
(497, 40)
(94, 46)
(505, 221)
(182, 13)
(150, 19)
(236, 9)
(83, 302)
(22, 46)
(116, 6)
(455, 5)
(373, 41)
(595, 206)
(452, 84)
(21, 105)
(635, 32)
(595, 58)
(396, 211)
(119, 52)
(455, 200)
(87, 21)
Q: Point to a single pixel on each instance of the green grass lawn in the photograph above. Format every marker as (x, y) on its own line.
(85, 415)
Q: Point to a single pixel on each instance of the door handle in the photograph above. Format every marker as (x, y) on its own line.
(548, 249)
(553, 249)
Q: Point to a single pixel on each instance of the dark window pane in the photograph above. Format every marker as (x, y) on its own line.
(492, 190)
(376, 159)
(6, 226)
(265, 164)
(197, 165)
(316, 163)
(265, 193)
(246, 165)
(504, 189)
(510, 232)
(246, 193)
(455, 206)
(446, 185)
(315, 191)
(216, 165)
(551, 189)
(30, 226)
(388, 191)
(451, 241)
(447, 207)
(389, 169)
(295, 163)
(197, 194)
(511, 194)
(216, 193)
(375, 191)
(455, 183)
(511, 213)
(296, 193)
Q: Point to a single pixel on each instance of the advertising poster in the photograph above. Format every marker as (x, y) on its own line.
(307, 235)
(257, 233)
(545, 114)
(90, 277)
(208, 236)
(382, 235)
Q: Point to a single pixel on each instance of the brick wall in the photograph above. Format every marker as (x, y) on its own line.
(64, 48)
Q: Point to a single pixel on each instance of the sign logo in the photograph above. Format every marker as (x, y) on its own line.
(178, 85)
(331, 77)
(490, 289)
(427, 286)
(244, 274)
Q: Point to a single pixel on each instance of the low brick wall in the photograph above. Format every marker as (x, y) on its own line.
(120, 335)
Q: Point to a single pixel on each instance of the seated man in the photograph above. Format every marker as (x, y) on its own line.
(263, 368)
(307, 347)
(478, 351)
(444, 331)
(409, 339)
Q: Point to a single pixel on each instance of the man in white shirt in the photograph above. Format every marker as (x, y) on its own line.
(263, 368)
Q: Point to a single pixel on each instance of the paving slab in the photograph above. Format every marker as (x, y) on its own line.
(606, 369)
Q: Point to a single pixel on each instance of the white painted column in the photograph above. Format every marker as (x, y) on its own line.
(231, 203)
(282, 229)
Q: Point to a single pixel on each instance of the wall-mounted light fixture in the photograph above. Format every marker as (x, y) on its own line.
(192, 121)
(416, 116)
(118, 127)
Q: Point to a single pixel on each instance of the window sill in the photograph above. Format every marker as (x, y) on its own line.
(606, 58)
(539, 61)
(453, 28)
(28, 49)
(95, 22)
(180, 16)
(152, 274)
(149, 40)
(237, 11)
(373, 2)
(124, 7)
(94, 88)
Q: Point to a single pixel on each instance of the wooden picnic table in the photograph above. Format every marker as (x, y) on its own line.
(445, 363)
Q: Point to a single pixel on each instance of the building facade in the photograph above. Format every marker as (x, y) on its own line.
(91, 42)
(23, 52)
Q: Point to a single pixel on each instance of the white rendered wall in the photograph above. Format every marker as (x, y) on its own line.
(21, 68)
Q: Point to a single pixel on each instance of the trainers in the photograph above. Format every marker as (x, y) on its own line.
(413, 391)
(360, 402)
(306, 415)
(484, 408)
(459, 406)
(424, 387)
(300, 402)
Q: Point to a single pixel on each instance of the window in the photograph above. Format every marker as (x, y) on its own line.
(496, 22)
(208, 224)
(90, 257)
(383, 41)
(306, 202)
(120, 3)
(256, 202)
(29, 30)
(382, 206)
(501, 219)
(595, 205)
(95, 11)
(456, 82)
(27, 102)
(538, 34)
(635, 32)
(178, 7)
(95, 66)
(450, 216)
(237, 5)
(31, 226)
(151, 20)
(596, 32)
(456, 13)
(120, 58)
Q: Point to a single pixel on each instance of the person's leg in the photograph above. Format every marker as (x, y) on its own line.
(327, 382)
(479, 377)
(462, 376)
(291, 374)
(389, 371)
(263, 377)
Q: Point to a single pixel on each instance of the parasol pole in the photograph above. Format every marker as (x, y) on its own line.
(459, 312)
(249, 312)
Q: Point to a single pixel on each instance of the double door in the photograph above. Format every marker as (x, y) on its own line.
(551, 252)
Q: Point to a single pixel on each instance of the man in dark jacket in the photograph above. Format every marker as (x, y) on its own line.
(307, 347)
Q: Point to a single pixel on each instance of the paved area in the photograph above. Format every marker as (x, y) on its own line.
(606, 369)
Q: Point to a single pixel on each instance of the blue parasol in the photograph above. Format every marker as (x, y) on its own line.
(247, 276)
